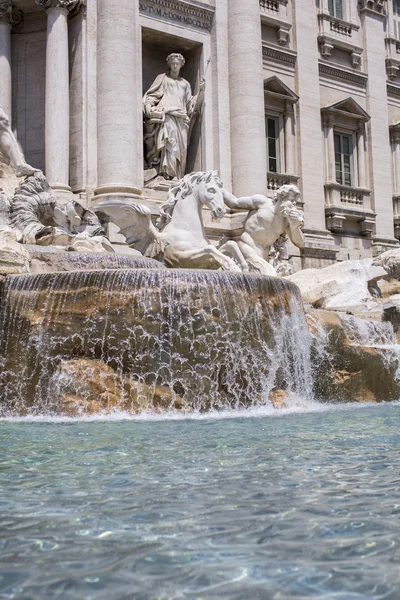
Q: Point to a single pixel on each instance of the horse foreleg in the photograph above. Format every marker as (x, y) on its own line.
(231, 248)
(208, 257)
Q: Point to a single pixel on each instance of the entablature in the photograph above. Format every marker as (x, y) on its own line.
(188, 14)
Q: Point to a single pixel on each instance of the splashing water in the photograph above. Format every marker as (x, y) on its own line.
(142, 339)
(365, 332)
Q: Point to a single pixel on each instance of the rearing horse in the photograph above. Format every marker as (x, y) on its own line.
(179, 238)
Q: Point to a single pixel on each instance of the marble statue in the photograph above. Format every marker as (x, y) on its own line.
(36, 216)
(169, 107)
(178, 239)
(10, 148)
(267, 220)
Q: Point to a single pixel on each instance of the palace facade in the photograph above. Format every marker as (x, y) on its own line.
(297, 91)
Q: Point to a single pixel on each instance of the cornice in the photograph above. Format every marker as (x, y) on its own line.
(393, 90)
(285, 56)
(190, 14)
(359, 79)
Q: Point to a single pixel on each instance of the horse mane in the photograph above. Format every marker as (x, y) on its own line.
(183, 189)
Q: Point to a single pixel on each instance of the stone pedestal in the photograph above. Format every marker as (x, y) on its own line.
(119, 119)
(249, 161)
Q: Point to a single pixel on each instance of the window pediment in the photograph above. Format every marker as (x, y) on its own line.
(275, 88)
(348, 109)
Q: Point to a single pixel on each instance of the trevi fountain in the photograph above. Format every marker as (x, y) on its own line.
(183, 417)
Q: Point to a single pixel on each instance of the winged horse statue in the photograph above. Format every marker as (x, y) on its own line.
(179, 237)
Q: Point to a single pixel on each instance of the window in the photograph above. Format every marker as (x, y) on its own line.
(396, 18)
(272, 130)
(344, 159)
(335, 8)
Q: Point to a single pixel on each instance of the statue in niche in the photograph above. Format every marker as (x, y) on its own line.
(169, 110)
(10, 148)
(267, 220)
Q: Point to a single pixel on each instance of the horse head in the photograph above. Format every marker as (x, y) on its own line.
(205, 186)
(209, 191)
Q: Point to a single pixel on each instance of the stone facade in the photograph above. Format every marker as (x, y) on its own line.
(295, 94)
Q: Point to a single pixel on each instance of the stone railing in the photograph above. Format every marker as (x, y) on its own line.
(352, 197)
(347, 208)
(277, 14)
(337, 33)
(269, 5)
(340, 27)
(339, 195)
(276, 180)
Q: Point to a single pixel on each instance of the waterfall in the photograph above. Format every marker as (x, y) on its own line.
(145, 339)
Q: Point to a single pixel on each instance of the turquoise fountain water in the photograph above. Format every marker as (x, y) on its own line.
(276, 506)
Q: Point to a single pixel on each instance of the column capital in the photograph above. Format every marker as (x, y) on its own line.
(9, 14)
(68, 5)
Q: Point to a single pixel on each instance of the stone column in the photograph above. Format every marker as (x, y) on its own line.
(372, 26)
(289, 140)
(249, 158)
(118, 84)
(57, 93)
(330, 150)
(5, 57)
(361, 155)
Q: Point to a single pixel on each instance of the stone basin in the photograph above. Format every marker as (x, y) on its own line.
(182, 339)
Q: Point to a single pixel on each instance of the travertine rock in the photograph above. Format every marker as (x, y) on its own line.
(354, 360)
(340, 286)
(85, 386)
(390, 261)
(14, 258)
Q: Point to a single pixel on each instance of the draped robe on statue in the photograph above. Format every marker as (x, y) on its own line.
(166, 137)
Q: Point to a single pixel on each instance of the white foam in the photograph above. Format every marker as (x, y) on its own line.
(248, 413)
